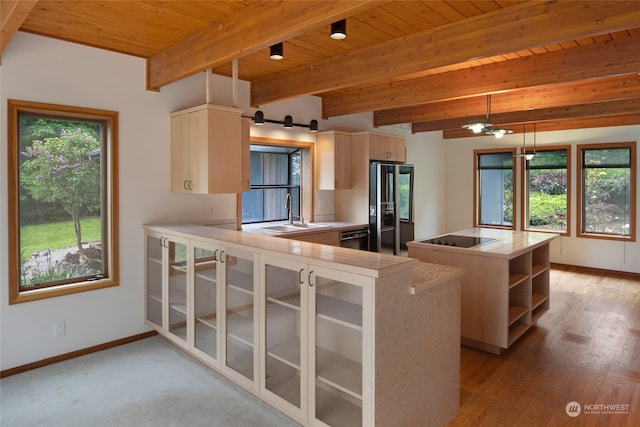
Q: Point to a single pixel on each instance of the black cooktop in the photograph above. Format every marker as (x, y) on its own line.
(459, 241)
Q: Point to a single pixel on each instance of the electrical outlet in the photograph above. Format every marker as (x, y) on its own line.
(59, 328)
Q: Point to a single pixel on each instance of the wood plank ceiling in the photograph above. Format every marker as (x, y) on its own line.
(561, 64)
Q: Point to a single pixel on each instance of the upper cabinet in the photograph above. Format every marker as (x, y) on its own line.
(206, 150)
(246, 153)
(382, 147)
(333, 160)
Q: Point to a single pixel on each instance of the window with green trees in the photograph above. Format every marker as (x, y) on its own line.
(63, 200)
(606, 197)
(546, 190)
(494, 188)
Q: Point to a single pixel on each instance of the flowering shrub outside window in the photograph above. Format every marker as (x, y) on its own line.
(65, 191)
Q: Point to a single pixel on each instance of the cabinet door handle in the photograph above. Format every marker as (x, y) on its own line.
(222, 256)
(190, 185)
(184, 185)
(310, 281)
(300, 279)
(215, 255)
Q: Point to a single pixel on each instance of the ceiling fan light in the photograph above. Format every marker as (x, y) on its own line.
(476, 127)
(339, 30)
(276, 51)
(499, 132)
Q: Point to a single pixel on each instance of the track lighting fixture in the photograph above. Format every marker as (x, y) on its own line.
(276, 51)
(259, 120)
(339, 29)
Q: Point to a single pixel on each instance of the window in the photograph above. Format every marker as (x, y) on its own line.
(607, 190)
(494, 188)
(62, 200)
(546, 196)
(275, 172)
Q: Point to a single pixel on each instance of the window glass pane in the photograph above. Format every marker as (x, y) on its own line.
(496, 188)
(275, 172)
(607, 157)
(547, 191)
(61, 200)
(607, 200)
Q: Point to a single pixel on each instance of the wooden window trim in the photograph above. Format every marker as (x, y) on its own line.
(476, 189)
(111, 236)
(633, 180)
(308, 164)
(524, 199)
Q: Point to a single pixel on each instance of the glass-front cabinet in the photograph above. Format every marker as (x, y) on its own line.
(206, 319)
(154, 280)
(284, 334)
(167, 280)
(341, 371)
(241, 313)
(313, 361)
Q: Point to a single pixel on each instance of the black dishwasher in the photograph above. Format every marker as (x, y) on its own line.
(357, 238)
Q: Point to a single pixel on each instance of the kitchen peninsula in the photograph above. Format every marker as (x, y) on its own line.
(505, 287)
(328, 335)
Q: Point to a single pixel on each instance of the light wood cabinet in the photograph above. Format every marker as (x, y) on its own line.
(314, 333)
(386, 148)
(246, 153)
(331, 237)
(333, 160)
(167, 285)
(206, 150)
(314, 360)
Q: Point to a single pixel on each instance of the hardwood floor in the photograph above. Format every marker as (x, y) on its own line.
(585, 349)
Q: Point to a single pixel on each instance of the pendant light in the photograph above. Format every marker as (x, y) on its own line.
(530, 155)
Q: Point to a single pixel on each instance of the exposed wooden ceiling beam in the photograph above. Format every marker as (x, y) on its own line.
(596, 109)
(258, 26)
(551, 125)
(551, 96)
(12, 15)
(523, 26)
(618, 56)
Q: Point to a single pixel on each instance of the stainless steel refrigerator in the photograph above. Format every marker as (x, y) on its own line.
(390, 206)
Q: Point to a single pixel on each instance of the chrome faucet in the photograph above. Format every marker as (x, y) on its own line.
(287, 205)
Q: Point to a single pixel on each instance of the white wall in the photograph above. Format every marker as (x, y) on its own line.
(44, 70)
(597, 253)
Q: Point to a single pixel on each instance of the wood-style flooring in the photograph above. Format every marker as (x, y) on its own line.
(585, 349)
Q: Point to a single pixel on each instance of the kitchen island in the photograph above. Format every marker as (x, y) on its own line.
(505, 287)
(327, 335)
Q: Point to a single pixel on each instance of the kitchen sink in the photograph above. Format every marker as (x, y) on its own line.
(290, 228)
(307, 225)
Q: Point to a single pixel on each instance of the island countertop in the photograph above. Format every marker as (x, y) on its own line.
(507, 244)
